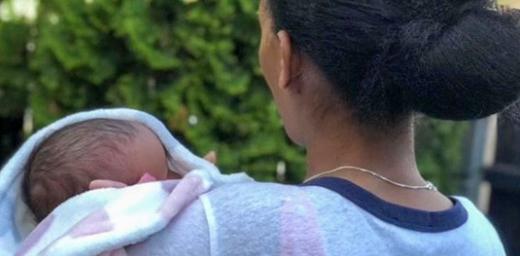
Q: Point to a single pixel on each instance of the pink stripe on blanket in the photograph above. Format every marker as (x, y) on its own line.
(300, 230)
(96, 223)
(36, 235)
(188, 189)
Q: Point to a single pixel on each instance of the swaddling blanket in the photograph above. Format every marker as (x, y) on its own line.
(106, 220)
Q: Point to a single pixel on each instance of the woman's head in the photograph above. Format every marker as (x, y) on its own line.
(386, 59)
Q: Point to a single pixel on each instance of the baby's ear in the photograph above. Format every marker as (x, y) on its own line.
(99, 184)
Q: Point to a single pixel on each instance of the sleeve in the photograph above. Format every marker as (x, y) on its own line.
(187, 235)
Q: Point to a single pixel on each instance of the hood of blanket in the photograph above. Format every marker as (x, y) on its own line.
(16, 221)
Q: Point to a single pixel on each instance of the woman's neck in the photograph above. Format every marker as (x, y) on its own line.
(391, 154)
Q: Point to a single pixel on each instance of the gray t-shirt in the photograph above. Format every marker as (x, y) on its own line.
(327, 216)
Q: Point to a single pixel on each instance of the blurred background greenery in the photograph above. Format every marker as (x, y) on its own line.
(192, 63)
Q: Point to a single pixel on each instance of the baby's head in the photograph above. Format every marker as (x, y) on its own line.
(65, 164)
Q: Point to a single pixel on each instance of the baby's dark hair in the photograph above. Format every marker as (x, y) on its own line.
(64, 164)
(387, 59)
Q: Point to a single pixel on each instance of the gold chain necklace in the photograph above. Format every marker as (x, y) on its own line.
(427, 186)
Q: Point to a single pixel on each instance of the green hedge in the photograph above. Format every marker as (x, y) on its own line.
(191, 63)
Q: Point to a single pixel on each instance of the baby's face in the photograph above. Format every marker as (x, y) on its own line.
(147, 155)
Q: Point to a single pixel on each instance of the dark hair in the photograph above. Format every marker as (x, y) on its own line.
(65, 163)
(448, 59)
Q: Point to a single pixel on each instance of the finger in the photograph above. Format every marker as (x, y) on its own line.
(211, 157)
(147, 178)
(99, 184)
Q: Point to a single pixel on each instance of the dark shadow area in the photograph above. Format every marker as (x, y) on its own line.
(504, 176)
(10, 136)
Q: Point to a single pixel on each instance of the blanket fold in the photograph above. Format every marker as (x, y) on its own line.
(102, 221)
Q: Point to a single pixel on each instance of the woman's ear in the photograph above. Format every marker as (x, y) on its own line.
(290, 64)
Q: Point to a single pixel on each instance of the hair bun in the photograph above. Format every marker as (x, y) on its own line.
(469, 70)
(440, 10)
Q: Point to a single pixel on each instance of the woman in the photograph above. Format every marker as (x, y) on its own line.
(347, 77)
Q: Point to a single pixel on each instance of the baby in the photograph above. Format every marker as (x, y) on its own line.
(67, 162)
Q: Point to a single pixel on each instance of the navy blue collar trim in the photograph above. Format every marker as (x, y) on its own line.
(401, 216)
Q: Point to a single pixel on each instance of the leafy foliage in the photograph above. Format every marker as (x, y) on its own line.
(439, 146)
(14, 75)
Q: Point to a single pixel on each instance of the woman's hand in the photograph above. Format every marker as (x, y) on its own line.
(99, 184)
(211, 157)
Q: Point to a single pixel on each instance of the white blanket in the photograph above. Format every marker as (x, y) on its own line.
(101, 221)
